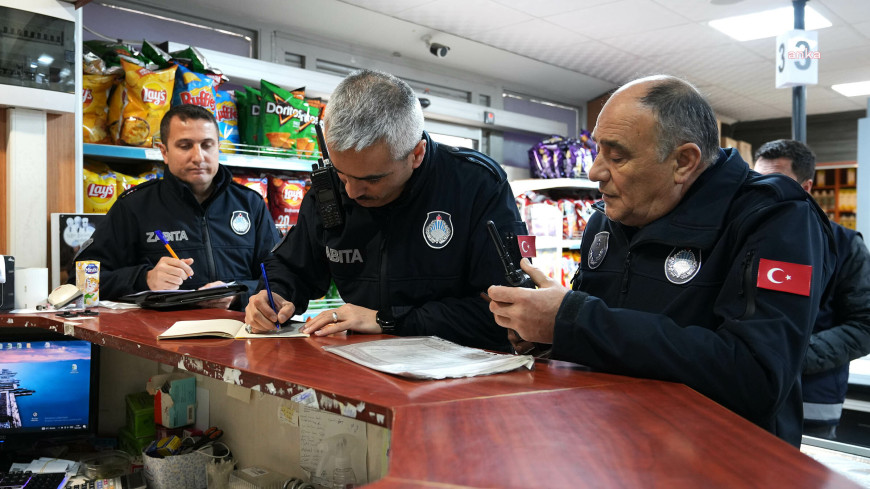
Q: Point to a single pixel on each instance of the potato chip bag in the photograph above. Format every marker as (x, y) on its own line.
(155, 173)
(125, 182)
(227, 119)
(100, 191)
(193, 88)
(260, 184)
(95, 106)
(242, 113)
(148, 96)
(285, 115)
(252, 125)
(117, 101)
(285, 200)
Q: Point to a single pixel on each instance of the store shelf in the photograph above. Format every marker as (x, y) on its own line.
(571, 244)
(264, 160)
(522, 186)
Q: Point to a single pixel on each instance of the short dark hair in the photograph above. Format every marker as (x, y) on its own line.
(803, 161)
(684, 116)
(185, 112)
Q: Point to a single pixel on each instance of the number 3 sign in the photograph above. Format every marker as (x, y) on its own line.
(797, 58)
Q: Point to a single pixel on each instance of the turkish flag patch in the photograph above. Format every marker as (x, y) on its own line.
(784, 277)
(527, 246)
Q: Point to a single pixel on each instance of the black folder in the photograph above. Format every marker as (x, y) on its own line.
(179, 299)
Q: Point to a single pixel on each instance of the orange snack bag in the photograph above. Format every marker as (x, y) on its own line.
(95, 105)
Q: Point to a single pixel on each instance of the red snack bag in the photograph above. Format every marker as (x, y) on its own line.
(285, 199)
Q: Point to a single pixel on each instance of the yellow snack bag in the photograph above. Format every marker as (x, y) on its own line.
(95, 105)
(100, 191)
(117, 101)
(125, 182)
(148, 96)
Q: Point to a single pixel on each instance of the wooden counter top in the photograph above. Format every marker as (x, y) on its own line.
(558, 425)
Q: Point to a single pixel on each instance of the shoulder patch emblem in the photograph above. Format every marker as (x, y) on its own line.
(438, 229)
(682, 265)
(598, 250)
(240, 222)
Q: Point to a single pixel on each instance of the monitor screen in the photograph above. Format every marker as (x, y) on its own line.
(48, 386)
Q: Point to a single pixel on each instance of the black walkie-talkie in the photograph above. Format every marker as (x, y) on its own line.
(326, 185)
(512, 273)
(516, 277)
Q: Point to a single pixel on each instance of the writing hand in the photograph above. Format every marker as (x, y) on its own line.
(260, 316)
(169, 273)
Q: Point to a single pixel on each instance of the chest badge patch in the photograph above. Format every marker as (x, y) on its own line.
(240, 222)
(682, 265)
(438, 229)
(598, 250)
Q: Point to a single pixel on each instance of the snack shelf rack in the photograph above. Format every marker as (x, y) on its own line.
(522, 186)
(263, 160)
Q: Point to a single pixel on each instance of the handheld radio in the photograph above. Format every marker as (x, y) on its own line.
(326, 185)
(516, 277)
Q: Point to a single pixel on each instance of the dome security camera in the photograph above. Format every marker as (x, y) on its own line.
(438, 50)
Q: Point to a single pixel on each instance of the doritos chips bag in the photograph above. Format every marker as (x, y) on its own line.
(286, 116)
(95, 105)
(252, 125)
(193, 88)
(148, 96)
(100, 190)
(242, 113)
(227, 119)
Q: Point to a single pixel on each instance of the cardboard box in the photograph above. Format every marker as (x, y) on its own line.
(140, 415)
(174, 399)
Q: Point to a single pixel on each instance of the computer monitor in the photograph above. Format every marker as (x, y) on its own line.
(49, 387)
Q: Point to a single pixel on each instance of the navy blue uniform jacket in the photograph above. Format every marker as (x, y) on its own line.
(427, 255)
(738, 344)
(228, 235)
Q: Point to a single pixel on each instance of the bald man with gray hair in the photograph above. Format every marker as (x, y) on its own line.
(695, 269)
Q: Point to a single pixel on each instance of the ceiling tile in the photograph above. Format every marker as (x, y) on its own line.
(625, 17)
(863, 28)
(476, 16)
(389, 7)
(703, 10)
(669, 40)
(544, 8)
(549, 40)
(849, 10)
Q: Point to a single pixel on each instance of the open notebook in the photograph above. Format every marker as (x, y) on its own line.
(227, 328)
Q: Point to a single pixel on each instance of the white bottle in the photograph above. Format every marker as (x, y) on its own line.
(343, 476)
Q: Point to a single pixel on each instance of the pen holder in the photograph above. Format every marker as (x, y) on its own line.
(185, 471)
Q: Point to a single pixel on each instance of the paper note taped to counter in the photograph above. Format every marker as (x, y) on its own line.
(429, 357)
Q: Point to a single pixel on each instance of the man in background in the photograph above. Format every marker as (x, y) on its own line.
(413, 253)
(684, 268)
(842, 329)
(220, 230)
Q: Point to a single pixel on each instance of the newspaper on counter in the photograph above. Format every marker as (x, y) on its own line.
(429, 357)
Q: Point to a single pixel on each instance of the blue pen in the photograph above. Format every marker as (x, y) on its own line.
(269, 293)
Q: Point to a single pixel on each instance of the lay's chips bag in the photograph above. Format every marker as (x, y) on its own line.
(148, 96)
(117, 101)
(227, 119)
(95, 106)
(285, 200)
(193, 88)
(100, 188)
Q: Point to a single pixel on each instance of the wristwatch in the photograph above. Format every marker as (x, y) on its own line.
(388, 323)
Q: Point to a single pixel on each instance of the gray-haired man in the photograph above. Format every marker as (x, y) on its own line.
(413, 253)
